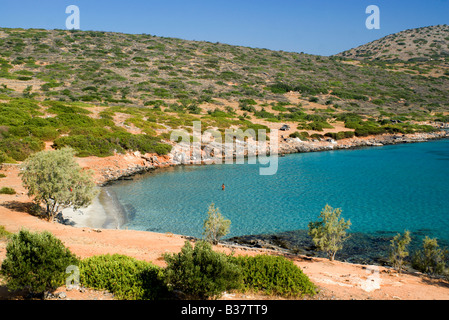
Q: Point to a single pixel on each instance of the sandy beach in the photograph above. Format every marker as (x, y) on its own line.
(105, 212)
(336, 280)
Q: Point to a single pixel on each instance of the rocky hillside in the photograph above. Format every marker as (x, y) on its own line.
(137, 70)
(421, 44)
(103, 93)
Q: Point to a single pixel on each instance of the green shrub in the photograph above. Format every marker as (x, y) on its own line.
(274, 275)
(57, 107)
(75, 120)
(7, 190)
(280, 88)
(44, 133)
(138, 142)
(431, 258)
(366, 128)
(4, 158)
(295, 134)
(247, 107)
(264, 114)
(398, 250)
(162, 148)
(4, 233)
(36, 262)
(303, 136)
(320, 125)
(127, 278)
(20, 148)
(340, 135)
(88, 145)
(200, 272)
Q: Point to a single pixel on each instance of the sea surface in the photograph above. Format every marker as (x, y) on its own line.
(381, 190)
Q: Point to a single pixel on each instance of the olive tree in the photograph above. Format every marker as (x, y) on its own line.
(215, 226)
(329, 233)
(56, 180)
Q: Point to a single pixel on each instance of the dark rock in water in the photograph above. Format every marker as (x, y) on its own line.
(359, 248)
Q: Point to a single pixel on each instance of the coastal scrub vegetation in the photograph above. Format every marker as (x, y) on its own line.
(111, 70)
(399, 250)
(4, 233)
(430, 258)
(274, 275)
(57, 181)
(127, 278)
(36, 262)
(201, 273)
(329, 233)
(215, 226)
(7, 190)
(26, 125)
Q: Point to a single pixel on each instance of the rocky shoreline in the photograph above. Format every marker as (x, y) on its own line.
(181, 156)
(292, 145)
(361, 248)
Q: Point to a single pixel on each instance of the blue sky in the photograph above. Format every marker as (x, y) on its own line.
(323, 27)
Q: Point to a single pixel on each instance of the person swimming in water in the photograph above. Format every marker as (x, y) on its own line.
(222, 187)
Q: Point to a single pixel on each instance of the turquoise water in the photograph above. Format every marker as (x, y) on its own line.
(380, 189)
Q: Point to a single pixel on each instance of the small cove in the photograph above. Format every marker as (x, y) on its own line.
(382, 190)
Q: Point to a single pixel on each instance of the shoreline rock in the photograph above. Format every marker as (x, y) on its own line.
(181, 155)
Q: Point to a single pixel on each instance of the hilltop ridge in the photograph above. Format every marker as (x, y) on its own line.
(420, 44)
(115, 68)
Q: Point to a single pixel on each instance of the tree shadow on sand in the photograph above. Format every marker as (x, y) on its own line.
(436, 281)
(34, 210)
(5, 294)
(26, 207)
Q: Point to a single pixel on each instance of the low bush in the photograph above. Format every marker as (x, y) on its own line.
(315, 126)
(36, 262)
(274, 275)
(7, 190)
(127, 278)
(4, 233)
(264, 114)
(431, 258)
(20, 148)
(44, 133)
(303, 136)
(106, 145)
(57, 107)
(88, 145)
(340, 135)
(280, 88)
(75, 120)
(200, 272)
